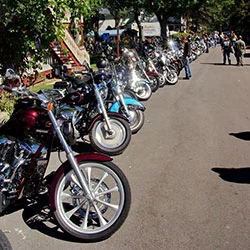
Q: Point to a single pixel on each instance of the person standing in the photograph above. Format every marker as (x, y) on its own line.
(240, 49)
(226, 47)
(233, 38)
(206, 40)
(186, 55)
(215, 38)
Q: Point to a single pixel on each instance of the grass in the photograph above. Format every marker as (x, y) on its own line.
(46, 84)
(7, 101)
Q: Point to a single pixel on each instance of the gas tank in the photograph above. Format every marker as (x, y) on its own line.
(25, 119)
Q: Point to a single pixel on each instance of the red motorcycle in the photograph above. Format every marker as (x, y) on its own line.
(88, 195)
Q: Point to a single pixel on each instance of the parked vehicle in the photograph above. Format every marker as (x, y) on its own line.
(127, 106)
(88, 195)
(163, 65)
(132, 79)
(84, 102)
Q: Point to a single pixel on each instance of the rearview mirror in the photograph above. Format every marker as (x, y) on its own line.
(10, 74)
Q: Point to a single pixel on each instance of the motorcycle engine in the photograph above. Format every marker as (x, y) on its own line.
(14, 158)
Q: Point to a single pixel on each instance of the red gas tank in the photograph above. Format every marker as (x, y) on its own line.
(26, 119)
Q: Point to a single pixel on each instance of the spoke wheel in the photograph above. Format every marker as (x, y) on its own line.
(96, 218)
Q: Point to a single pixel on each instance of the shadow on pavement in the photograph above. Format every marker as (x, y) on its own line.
(226, 65)
(242, 135)
(82, 147)
(237, 175)
(38, 216)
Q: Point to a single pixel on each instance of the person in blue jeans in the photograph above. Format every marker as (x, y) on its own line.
(226, 47)
(186, 55)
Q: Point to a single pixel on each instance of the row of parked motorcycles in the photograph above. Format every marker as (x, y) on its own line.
(88, 195)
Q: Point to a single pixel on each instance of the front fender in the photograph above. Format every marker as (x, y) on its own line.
(152, 73)
(65, 167)
(128, 101)
(110, 115)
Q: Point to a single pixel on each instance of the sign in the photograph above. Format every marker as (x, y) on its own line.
(149, 29)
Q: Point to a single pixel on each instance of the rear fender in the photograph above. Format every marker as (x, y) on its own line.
(65, 167)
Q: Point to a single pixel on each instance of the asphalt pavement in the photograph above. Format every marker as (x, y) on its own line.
(188, 167)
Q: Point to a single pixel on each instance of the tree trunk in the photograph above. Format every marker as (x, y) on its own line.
(163, 24)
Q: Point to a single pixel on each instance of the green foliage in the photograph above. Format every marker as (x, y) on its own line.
(29, 27)
(180, 34)
(7, 102)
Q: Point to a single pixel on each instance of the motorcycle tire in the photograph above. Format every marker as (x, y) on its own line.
(91, 219)
(144, 91)
(138, 119)
(171, 77)
(113, 144)
(162, 80)
(154, 82)
(4, 242)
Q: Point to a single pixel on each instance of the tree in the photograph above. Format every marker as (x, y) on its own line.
(29, 27)
(217, 14)
(164, 9)
(240, 18)
(136, 7)
(118, 9)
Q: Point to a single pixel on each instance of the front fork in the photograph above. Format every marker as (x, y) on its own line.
(110, 133)
(71, 158)
(119, 97)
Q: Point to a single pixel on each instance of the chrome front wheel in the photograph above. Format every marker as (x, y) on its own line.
(143, 91)
(137, 118)
(171, 77)
(112, 142)
(97, 217)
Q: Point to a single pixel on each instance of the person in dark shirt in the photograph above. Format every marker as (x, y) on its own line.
(226, 47)
(186, 55)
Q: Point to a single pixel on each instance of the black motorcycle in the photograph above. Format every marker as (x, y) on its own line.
(83, 102)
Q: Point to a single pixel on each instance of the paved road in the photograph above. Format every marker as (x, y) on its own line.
(189, 170)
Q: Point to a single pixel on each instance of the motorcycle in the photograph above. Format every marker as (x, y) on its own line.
(88, 194)
(164, 66)
(145, 72)
(127, 106)
(108, 132)
(116, 100)
(140, 86)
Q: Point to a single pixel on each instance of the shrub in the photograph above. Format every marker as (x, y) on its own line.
(7, 102)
